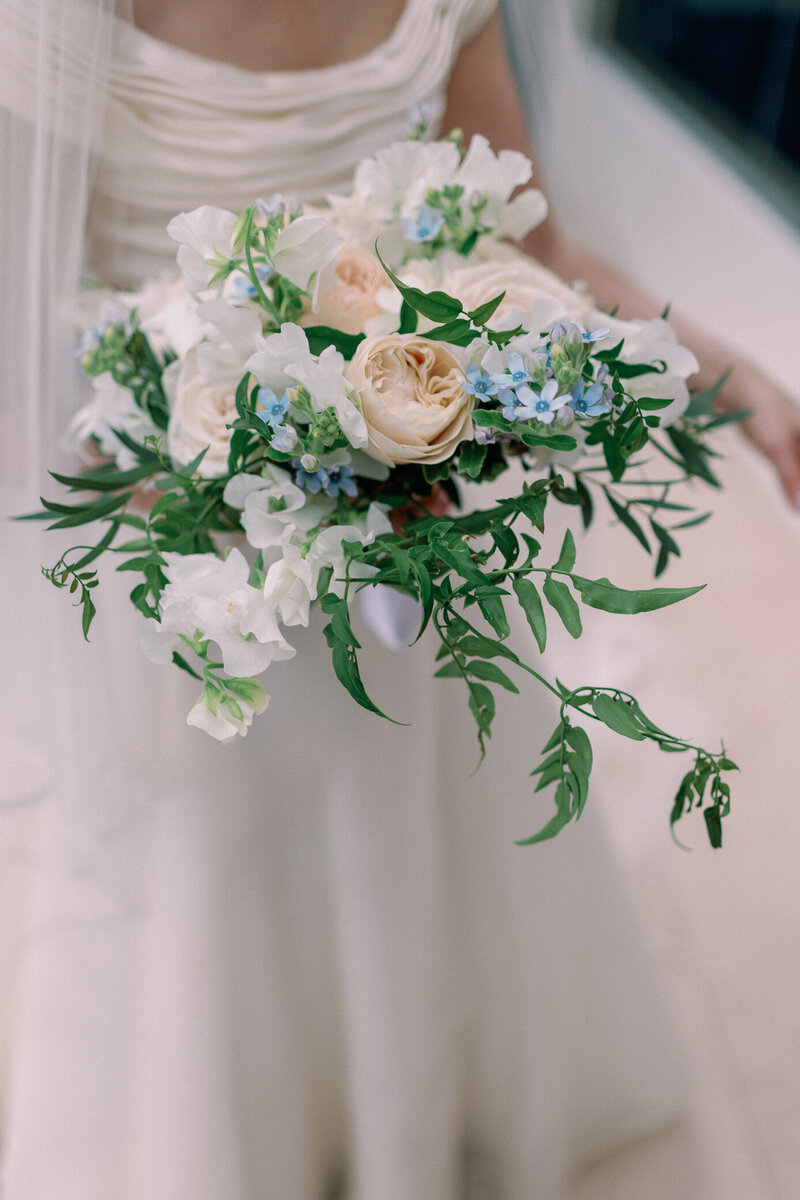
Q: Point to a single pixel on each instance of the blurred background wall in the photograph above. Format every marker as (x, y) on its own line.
(683, 189)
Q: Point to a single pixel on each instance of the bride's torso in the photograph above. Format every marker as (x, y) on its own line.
(183, 130)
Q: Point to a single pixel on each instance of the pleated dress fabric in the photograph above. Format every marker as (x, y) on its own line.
(313, 963)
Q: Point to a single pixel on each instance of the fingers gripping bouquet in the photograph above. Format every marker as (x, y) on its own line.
(318, 382)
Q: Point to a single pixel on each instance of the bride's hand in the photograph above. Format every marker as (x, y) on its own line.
(773, 427)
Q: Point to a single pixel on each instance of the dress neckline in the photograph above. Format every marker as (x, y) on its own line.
(157, 51)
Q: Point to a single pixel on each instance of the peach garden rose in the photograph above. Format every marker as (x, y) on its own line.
(352, 301)
(411, 396)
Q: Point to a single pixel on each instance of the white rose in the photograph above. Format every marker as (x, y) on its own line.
(411, 396)
(200, 413)
(525, 283)
(652, 342)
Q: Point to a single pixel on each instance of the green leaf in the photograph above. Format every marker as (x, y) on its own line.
(555, 824)
(451, 332)
(408, 319)
(624, 515)
(436, 306)
(489, 672)
(181, 662)
(506, 542)
(578, 739)
(494, 612)
(109, 481)
(471, 459)
(603, 594)
(713, 825)
(84, 514)
(653, 403)
(566, 559)
(531, 603)
(88, 614)
(97, 550)
(346, 667)
(336, 607)
(633, 370)
(482, 707)
(481, 315)
(702, 403)
(617, 716)
(321, 336)
(450, 670)
(615, 459)
(484, 647)
(559, 596)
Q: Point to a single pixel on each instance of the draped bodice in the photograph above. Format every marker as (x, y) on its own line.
(183, 130)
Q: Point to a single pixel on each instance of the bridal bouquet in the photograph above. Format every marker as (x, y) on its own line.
(300, 408)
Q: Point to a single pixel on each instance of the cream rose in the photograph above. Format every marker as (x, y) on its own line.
(199, 415)
(411, 396)
(352, 301)
(524, 281)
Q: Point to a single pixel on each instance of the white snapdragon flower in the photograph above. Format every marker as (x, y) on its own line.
(205, 238)
(112, 407)
(215, 596)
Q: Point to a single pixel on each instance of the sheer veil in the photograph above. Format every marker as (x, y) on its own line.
(53, 55)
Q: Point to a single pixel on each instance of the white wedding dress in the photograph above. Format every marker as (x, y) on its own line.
(313, 963)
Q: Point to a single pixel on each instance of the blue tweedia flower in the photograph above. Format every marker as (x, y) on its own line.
(512, 404)
(484, 436)
(515, 374)
(241, 288)
(274, 207)
(340, 480)
(312, 478)
(596, 335)
(273, 410)
(480, 383)
(540, 406)
(424, 226)
(588, 402)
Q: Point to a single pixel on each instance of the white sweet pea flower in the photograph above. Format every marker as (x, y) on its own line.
(204, 234)
(325, 381)
(291, 582)
(495, 176)
(215, 596)
(273, 354)
(111, 407)
(388, 186)
(211, 714)
(270, 502)
(304, 249)
(327, 549)
(232, 325)
(169, 315)
(284, 359)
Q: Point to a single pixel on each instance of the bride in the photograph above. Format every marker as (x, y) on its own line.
(313, 964)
